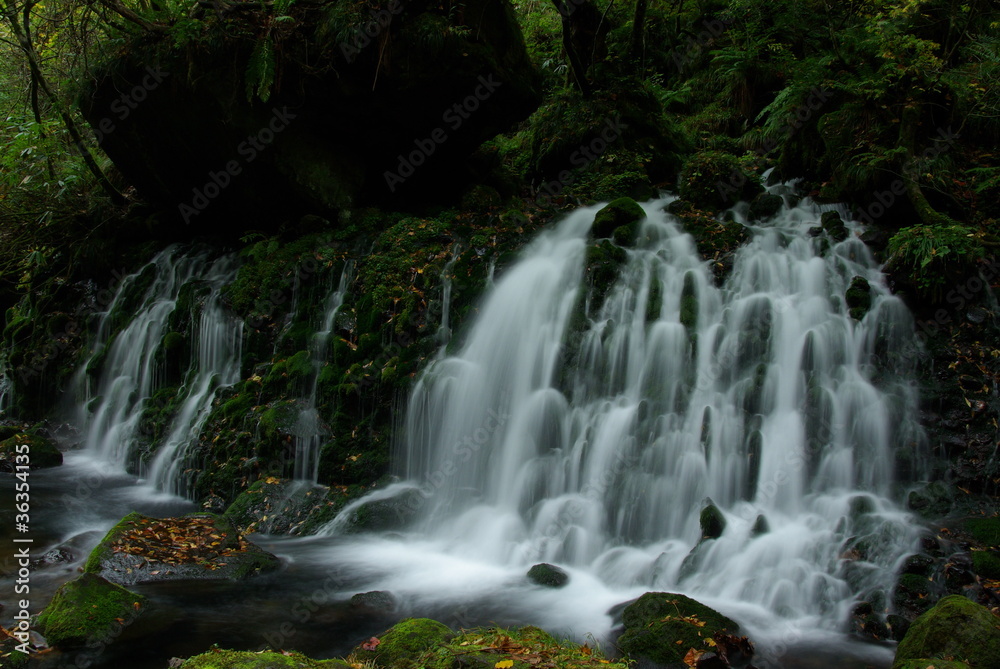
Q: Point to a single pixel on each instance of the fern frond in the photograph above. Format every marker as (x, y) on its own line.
(260, 70)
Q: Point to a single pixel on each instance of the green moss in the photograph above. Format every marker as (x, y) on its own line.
(955, 628)
(403, 644)
(689, 303)
(927, 663)
(985, 530)
(233, 659)
(712, 522)
(103, 549)
(88, 609)
(525, 647)
(41, 452)
(986, 564)
(619, 220)
(661, 627)
(715, 180)
(548, 575)
(859, 298)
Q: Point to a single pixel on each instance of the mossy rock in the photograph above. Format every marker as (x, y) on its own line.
(402, 644)
(88, 610)
(391, 513)
(524, 648)
(764, 206)
(932, 500)
(986, 564)
(712, 522)
(238, 659)
(859, 298)
(198, 546)
(984, 530)
(715, 180)
(661, 627)
(912, 593)
(41, 453)
(931, 664)
(834, 226)
(548, 575)
(619, 220)
(956, 628)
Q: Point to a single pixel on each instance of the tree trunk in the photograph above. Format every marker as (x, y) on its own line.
(638, 30)
(24, 41)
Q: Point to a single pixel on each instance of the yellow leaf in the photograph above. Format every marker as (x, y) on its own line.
(504, 664)
(585, 649)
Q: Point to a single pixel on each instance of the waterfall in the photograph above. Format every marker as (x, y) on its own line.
(308, 429)
(118, 380)
(219, 336)
(590, 426)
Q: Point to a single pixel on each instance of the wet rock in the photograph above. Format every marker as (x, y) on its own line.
(931, 500)
(898, 625)
(955, 628)
(390, 513)
(712, 522)
(760, 526)
(548, 575)
(764, 206)
(858, 298)
(52, 557)
(141, 549)
(920, 564)
(661, 628)
(619, 220)
(912, 594)
(88, 610)
(834, 226)
(34, 450)
(375, 601)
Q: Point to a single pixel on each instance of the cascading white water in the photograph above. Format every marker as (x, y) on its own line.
(218, 337)
(308, 429)
(591, 430)
(110, 409)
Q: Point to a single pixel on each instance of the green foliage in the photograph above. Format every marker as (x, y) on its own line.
(935, 256)
(260, 70)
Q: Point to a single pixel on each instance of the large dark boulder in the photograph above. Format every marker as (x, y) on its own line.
(88, 610)
(343, 123)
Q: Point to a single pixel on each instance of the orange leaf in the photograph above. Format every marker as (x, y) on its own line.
(691, 659)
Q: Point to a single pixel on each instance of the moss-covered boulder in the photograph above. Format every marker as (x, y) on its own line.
(403, 643)
(717, 240)
(858, 298)
(548, 575)
(41, 452)
(237, 659)
(88, 610)
(712, 522)
(141, 549)
(764, 206)
(521, 648)
(834, 226)
(661, 627)
(714, 180)
(955, 629)
(619, 220)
